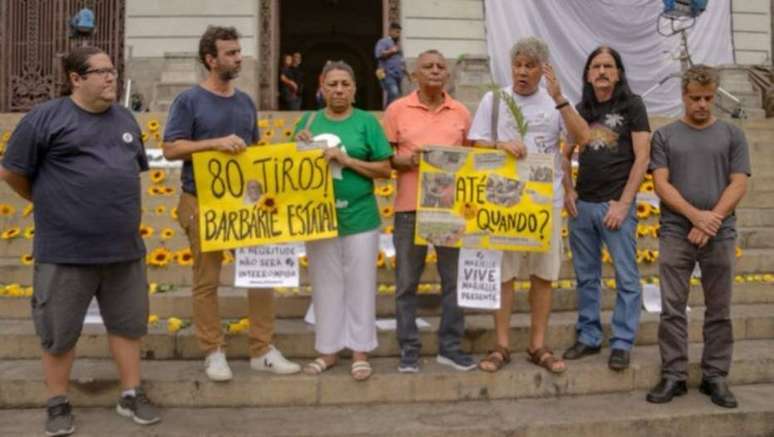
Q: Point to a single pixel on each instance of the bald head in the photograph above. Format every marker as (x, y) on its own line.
(431, 72)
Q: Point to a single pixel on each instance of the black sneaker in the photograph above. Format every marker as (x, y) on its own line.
(409, 361)
(138, 408)
(459, 360)
(59, 420)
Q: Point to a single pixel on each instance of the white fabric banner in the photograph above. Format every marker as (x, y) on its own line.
(574, 28)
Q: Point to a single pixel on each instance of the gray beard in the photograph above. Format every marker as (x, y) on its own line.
(229, 75)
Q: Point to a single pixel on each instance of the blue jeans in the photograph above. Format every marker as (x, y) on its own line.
(410, 263)
(391, 84)
(587, 233)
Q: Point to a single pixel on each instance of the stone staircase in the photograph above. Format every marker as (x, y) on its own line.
(520, 400)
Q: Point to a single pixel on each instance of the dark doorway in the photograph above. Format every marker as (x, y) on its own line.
(324, 30)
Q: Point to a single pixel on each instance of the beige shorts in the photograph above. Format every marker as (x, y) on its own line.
(544, 265)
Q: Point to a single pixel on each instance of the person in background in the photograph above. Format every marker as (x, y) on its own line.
(392, 66)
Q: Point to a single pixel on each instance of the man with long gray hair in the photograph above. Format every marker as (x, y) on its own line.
(548, 113)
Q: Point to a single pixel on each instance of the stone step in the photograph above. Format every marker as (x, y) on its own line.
(94, 383)
(758, 199)
(752, 261)
(294, 304)
(589, 415)
(295, 338)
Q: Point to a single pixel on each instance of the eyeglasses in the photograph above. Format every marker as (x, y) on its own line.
(102, 72)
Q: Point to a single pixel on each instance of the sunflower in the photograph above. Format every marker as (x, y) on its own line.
(655, 230)
(738, 252)
(228, 257)
(387, 212)
(610, 283)
(279, 123)
(146, 231)
(643, 210)
(606, 257)
(10, 234)
(643, 230)
(565, 231)
(184, 257)
(173, 213)
(28, 210)
(153, 125)
(168, 191)
(648, 177)
(6, 210)
(26, 260)
(393, 174)
(268, 203)
(154, 190)
(384, 190)
(160, 209)
(647, 187)
(29, 232)
(640, 256)
(389, 229)
(268, 133)
(153, 287)
(469, 210)
(158, 176)
(303, 261)
(167, 233)
(564, 213)
(153, 319)
(431, 258)
(159, 257)
(288, 133)
(380, 259)
(263, 123)
(174, 324)
(144, 137)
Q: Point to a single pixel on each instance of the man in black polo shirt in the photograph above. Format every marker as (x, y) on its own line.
(78, 159)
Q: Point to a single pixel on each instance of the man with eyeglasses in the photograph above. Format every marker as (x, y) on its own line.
(78, 160)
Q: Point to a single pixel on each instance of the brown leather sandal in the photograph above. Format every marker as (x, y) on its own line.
(544, 357)
(498, 358)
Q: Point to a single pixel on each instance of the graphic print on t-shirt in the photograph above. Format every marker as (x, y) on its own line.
(602, 134)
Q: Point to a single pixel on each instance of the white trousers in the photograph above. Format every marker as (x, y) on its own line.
(343, 275)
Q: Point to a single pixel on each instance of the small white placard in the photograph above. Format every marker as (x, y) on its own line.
(267, 266)
(156, 159)
(478, 279)
(650, 198)
(385, 245)
(93, 316)
(392, 324)
(651, 298)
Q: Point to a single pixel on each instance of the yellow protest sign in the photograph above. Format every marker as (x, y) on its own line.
(268, 194)
(485, 199)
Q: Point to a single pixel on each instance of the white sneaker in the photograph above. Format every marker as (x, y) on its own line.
(216, 367)
(273, 361)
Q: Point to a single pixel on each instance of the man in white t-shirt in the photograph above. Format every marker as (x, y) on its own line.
(548, 113)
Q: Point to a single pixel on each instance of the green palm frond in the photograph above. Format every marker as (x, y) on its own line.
(522, 125)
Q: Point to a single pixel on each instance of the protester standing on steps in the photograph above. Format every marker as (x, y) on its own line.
(78, 160)
(392, 66)
(602, 207)
(700, 169)
(548, 112)
(342, 270)
(214, 115)
(290, 99)
(426, 116)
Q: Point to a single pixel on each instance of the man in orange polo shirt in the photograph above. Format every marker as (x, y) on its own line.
(426, 116)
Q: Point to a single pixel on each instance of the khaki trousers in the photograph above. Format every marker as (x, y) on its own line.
(206, 278)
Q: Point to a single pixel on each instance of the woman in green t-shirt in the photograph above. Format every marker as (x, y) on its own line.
(343, 269)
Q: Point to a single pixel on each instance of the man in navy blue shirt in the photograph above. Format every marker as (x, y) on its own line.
(214, 115)
(78, 159)
(391, 63)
